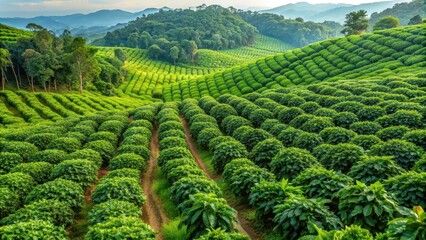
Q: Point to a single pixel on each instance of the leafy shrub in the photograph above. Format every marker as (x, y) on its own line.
(87, 154)
(172, 164)
(370, 207)
(19, 183)
(182, 172)
(170, 142)
(171, 133)
(318, 182)
(300, 120)
(231, 123)
(234, 165)
(372, 169)
(137, 130)
(79, 136)
(253, 137)
(119, 188)
(370, 113)
(345, 119)
(85, 130)
(218, 140)
(173, 153)
(182, 189)
(395, 132)
(206, 211)
(289, 162)
(128, 160)
(206, 135)
(9, 202)
(104, 148)
(223, 235)
(409, 118)
(408, 188)
(264, 151)
(112, 208)
(366, 141)
(108, 136)
(124, 172)
(41, 140)
(317, 124)
(265, 196)
(288, 135)
(66, 144)
(52, 156)
(225, 152)
(35, 229)
(58, 213)
(22, 148)
(336, 135)
(121, 228)
(171, 125)
(294, 217)
(417, 137)
(342, 157)
(307, 141)
(257, 117)
(83, 172)
(136, 139)
(39, 171)
(405, 153)
(8, 161)
(221, 111)
(365, 128)
(197, 127)
(59, 189)
(410, 227)
(420, 166)
(113, 126)
(245, 177)
(141, 123)
(142, 151)
(288, 114)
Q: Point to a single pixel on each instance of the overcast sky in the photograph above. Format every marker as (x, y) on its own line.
(31, 8)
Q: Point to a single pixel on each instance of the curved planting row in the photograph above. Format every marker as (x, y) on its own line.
(198, 198)
(326, 145)
(380, 54)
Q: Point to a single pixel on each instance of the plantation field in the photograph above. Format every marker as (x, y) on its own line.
(10, 34)
(381, 54)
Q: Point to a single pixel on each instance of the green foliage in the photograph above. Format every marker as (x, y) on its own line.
(386, 23)
(372, 169)
(119, 188)
(108, 136)
(231, 123)
(366, 141)
(66, 144)
(182, 172)
(417, 137)
(39, 171)
(223, 235)
(58, 213)
(296, 216)
(405, 153)
(245, 177)
(263, 152)
(345, 119)
(59, 189)
(112, 208)
(257, 117)
(253, 137)
(365, 127)
(370, 207)
(53, 156)
(408, 188)
(395, 132)
(121, 227)
(83, 172)
(318, 182)
(170, 142)
(172, 164)
(355, 23)
(113, 126)
(41, 140)
(225, 152)
(289, 162)
(234, 165)
(136, 149)
(9, 202)
(19, 183)
(410, 227)
(307, 141)
(182, 189)
(342, 157)
(221, 111)
(206, 211)
(128, 160)
(420, 166)
(136, 139)
(8, 161)
(336, 135)
(124, 172)
(104, 148)
(33, 229)
(22, 148)
(206, 135)
(173, 153)
(87, 154)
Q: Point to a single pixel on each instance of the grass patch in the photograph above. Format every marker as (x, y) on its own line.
(161, 188)
(81, 225)
(207, 159)
(171, 230)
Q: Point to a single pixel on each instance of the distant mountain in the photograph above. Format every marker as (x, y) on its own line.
(327, 11)
(101, 21)
(403, 11)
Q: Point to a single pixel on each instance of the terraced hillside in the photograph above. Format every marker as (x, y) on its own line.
(9, 34)
(381, 54)
(19, 108)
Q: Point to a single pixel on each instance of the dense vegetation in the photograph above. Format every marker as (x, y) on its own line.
(404, 11)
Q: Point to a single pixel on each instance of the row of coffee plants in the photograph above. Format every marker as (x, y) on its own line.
(322, 139)
(11, 35)
(199, 199)
(380, 54)
(118, 197)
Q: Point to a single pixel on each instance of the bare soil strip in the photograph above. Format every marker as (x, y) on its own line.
(152, 212)
(243, 226)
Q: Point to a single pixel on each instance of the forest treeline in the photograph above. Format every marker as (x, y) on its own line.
(49, 62)
(176, 35)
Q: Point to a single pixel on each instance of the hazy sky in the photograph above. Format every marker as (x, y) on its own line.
(31, 8)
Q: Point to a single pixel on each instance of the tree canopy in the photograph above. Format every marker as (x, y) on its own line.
(386, 23)
(355, 23)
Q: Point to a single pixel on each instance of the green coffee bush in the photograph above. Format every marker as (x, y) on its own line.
(124, 172)
(41, 140)
(35, 229)
(231, 123)
(404, 153)
(121, 228)
(173, 153)
(253, 137)
(345, 119)
(366, 141)
(142, 151)
(66, 144)
(128, 160)
(137, 130)
(104, 148)
(417, 137)
(218, 140)
(172, 164)
(225, 152)
(365, 128)
(53, 156)
(9, 202)
(372, 169)
(171, 133)
(245, 177)
(289, 162)
(206, 135)
(336, 135)
(87, 154)
(420, 166)
(83, 172)
(409, 189)
(39, 171)
(234, 165)
(257, 117)
(170, 142)
(370, 113)
(307, 141)
(108, 136)
(182, 172)
(119, 188)
(197, 127)
(22, 148)
(263, 152)
(8, 161)
(19, 183)
(182, 189)
(113, 126)
(395, 132)
(136, 139)
(223, 235)
(54, 211)
(112, 208)
(342, 157)
(288, 135)
(317, 124)
(59, 189)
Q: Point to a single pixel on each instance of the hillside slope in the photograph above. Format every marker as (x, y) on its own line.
(380, 54)
(403, 11)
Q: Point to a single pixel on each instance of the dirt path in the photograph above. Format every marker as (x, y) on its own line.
(243, 225)
(152, 212)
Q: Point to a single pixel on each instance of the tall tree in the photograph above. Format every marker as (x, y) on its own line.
(5, 61)
(415, 20)
(386, 23)
(174, 54)
(154, 51)
(355, 23)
